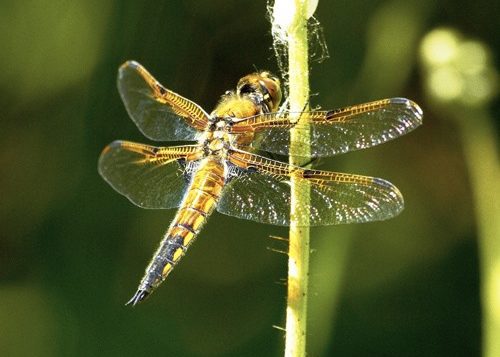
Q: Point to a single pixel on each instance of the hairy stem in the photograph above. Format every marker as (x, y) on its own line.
(298, 260)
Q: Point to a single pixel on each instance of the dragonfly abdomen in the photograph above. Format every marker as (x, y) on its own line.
(198, 203)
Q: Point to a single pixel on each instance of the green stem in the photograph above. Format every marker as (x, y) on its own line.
(298, 255)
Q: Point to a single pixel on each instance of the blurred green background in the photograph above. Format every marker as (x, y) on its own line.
(72, 250)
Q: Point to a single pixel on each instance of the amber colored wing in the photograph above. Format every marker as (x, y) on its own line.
(259, 190)
(159, 113)
(149, 176)
(334, 132)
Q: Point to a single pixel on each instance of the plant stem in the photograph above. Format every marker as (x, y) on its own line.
(298, 255)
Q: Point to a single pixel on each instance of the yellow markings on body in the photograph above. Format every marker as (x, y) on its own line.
(237, 107)
(166, 269)
(188, 238)
(200, 200)
(197, 204)
(183, 232)
(216, 145)
(177, 254)
(192, 218)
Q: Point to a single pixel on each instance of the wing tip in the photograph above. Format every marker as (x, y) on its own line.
(393, 192)
(127, 66)
(115, 144)
(410, 104)
(130, 63)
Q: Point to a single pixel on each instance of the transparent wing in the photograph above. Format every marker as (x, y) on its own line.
(334, 132)
(260, 191)
(159, 113)
(149, 176)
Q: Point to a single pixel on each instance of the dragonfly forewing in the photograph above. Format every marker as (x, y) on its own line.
(159, 113)
(329, 133)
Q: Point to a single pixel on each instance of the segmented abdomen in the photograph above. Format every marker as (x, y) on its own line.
(198, 203)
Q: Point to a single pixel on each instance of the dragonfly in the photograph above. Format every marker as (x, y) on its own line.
(229, 165)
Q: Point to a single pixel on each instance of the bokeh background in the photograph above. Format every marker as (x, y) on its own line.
(72, 250)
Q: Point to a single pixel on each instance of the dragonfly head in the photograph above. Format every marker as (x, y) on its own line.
(264, 85)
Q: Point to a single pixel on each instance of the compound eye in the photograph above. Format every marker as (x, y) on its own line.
(273, 92)
(245, 89)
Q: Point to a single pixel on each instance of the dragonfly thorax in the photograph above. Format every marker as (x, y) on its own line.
(217, 139)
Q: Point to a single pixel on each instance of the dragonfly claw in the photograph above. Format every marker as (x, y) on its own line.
(138, 297)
